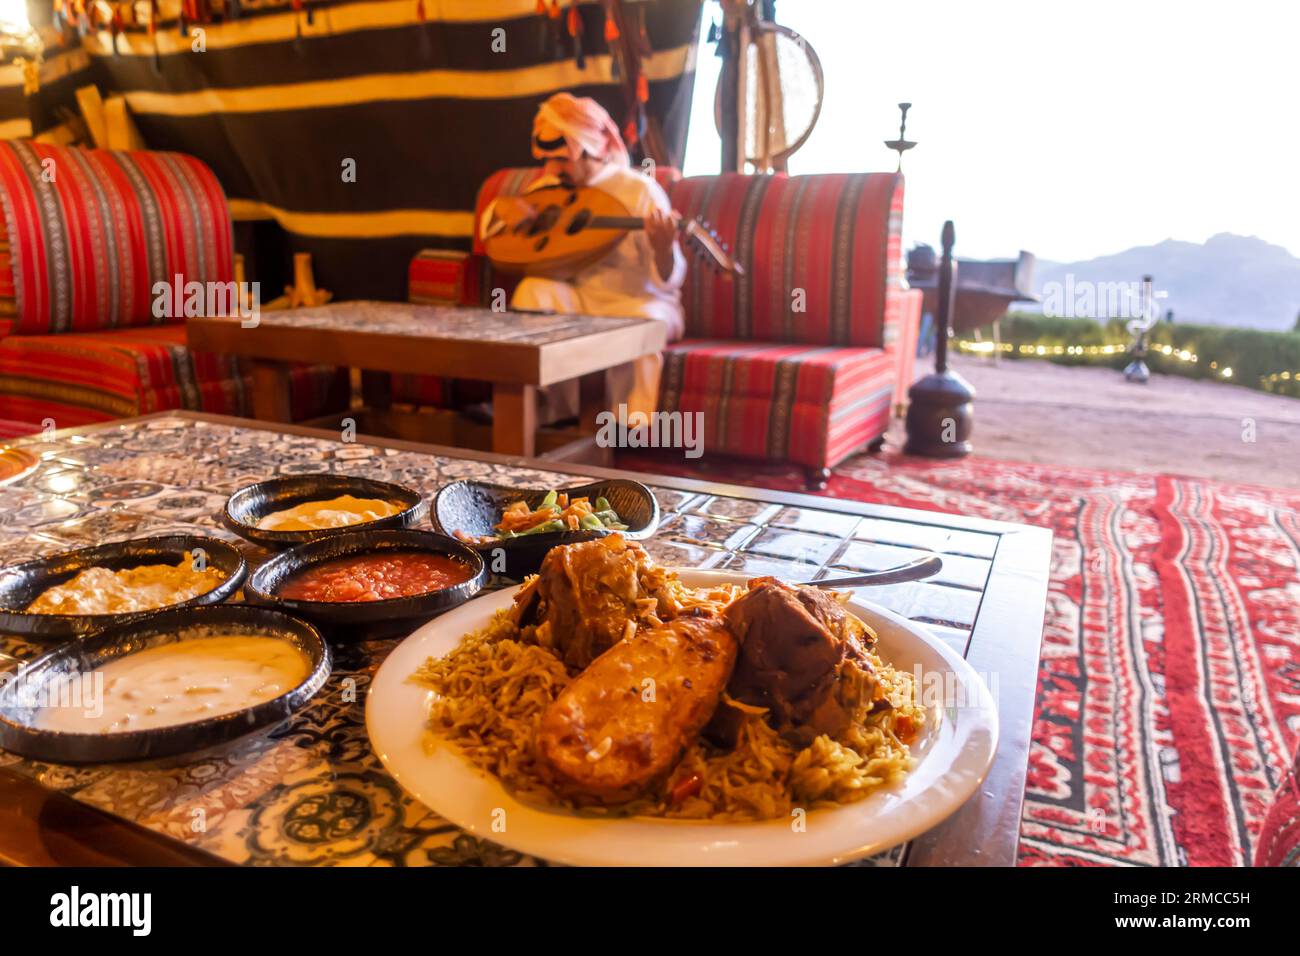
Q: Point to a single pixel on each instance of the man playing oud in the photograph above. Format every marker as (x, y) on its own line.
(641, 276)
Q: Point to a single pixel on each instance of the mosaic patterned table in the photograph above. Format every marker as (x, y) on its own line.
(312, 792)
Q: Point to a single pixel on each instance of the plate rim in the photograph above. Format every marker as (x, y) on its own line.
(984, 726)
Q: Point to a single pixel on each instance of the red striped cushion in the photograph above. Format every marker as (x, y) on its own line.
(314, 390)
(88, 233)
(828, 245)
(438, 277)
(435, 277)
(77, 379)
(14, 429)
(431, 391)
(811, 405)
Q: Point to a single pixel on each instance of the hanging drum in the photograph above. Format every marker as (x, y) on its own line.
(781, 89)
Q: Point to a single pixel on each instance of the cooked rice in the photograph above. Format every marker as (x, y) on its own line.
(492, 690)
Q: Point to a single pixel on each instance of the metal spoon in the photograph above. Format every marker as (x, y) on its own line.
(912, 571)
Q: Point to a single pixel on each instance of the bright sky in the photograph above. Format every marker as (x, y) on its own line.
(1070, 128)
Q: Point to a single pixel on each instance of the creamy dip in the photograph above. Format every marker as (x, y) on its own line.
(180, 683)
(143, 588)
(334, 513)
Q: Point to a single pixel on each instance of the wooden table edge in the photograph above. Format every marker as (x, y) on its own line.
(1006, 643)
(372, 351)
(700, 486)
(538, 364)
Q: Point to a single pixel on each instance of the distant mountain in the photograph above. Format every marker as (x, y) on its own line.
(1228, 280)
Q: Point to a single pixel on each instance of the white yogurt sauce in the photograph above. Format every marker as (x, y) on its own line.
(180, 683)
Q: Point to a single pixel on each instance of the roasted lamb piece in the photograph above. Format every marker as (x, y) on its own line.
(581, 601)
(625, 720)
(795, 646)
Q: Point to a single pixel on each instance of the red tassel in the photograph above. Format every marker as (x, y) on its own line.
(419, 10)
(554, 12)
(629, 133)
(575, 21)
(642, 89)
(541, 7)
(611, 29)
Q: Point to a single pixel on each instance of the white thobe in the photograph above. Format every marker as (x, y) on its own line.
(626, 282)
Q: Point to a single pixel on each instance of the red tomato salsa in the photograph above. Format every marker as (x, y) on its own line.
(376, 577)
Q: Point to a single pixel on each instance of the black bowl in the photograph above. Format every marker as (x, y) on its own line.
(57, 673)
(475, 507)
(249, 505)
(20, 584)
(355, 620)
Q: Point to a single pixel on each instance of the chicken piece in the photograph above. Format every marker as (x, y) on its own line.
(795, 643)
(582, 599)
(623, 723)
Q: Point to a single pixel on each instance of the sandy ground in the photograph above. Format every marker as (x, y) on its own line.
(1027, 410)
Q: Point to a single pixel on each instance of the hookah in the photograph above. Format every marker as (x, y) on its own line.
(1136, 370)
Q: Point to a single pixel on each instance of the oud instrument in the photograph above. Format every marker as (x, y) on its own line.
(564, 229)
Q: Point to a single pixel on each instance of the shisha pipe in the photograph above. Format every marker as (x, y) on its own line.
(1136, 370)
(902, 144)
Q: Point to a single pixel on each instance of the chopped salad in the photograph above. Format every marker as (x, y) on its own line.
(556, 512)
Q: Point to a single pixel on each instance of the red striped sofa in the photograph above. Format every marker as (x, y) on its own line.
(806, 357)
(87, 234)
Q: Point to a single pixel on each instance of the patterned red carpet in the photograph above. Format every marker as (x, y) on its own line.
(1169, 690)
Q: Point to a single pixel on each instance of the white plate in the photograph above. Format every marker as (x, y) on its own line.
(952, 754)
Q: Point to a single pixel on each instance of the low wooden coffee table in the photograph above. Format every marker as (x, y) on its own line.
(518, 352)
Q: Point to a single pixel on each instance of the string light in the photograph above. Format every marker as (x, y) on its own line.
(984, 348)
(1185, 356)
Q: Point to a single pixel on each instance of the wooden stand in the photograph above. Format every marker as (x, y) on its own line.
(940, 413)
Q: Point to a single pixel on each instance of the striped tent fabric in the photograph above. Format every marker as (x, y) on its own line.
(37, 98)
(362, 130)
